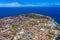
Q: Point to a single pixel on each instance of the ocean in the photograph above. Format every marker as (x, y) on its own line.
(53, 12)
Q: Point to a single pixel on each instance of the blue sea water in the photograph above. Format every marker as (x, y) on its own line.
(53, 12)
(58, 38)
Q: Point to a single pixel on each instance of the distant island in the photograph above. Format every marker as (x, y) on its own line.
(29, 27)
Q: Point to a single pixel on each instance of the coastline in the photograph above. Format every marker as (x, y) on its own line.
(35, 14)
(41, 22)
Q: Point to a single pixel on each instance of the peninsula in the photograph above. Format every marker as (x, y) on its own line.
(28, 27)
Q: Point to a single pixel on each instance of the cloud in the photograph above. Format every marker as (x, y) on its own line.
(15, 4)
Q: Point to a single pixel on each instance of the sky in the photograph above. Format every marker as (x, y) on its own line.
(22, 3)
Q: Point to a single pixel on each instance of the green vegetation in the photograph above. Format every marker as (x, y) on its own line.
(20, 39)
(0, 39)
(14, 27)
